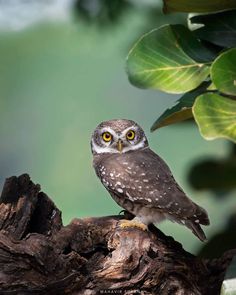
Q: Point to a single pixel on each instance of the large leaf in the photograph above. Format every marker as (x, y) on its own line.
(229, 284)
(168, 59)
(215, 116)
(198, 6)
(182, 110)
(223, 72)
(219, 28)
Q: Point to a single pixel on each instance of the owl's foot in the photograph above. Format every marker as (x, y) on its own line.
(133, 223)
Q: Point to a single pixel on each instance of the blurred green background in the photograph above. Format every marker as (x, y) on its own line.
(58, 80)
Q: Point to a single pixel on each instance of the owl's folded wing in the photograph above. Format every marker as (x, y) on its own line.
(144, 178)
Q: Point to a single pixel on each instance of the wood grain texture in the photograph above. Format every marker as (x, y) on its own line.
(38, 255)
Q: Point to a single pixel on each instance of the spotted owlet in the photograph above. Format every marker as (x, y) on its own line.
(139, 180)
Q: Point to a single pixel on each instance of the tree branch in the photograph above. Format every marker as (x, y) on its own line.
(38, 255)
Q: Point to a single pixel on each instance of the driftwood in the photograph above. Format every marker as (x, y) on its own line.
(38, 255)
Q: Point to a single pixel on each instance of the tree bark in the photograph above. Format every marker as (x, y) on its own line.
(38, 255)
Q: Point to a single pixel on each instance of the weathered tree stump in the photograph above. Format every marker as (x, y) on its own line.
(38, 255)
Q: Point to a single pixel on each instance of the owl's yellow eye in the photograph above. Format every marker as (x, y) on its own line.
(106, 136)
(130, 135)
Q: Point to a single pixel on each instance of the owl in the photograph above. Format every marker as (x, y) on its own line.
(139, 180)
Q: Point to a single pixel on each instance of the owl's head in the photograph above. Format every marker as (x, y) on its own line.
(118, 136)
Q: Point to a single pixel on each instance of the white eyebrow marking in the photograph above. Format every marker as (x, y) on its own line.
(108, 129)
(133, 127)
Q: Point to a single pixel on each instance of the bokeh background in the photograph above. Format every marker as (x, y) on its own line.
(62, 71)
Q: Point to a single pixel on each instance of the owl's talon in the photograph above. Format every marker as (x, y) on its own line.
(133, 223)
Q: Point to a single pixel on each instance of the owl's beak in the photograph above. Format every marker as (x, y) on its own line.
(119, 145)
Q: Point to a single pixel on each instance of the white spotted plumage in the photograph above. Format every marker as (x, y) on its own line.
(139, 180)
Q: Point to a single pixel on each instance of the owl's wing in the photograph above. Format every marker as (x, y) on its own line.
(143, 177)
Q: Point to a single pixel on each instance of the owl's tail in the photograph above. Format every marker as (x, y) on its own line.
(196, 230)
(200, 217)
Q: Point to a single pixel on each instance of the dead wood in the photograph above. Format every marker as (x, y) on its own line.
(38, 255)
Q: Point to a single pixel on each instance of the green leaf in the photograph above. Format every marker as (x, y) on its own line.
(182, 110)
(223, 72)
(198, 6)
(215, 116)
(219, 28)
(170, 59)
(212, 87)
(229, 284)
